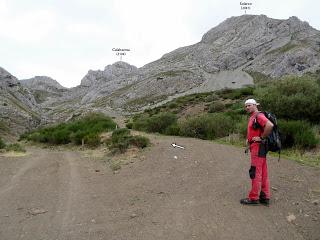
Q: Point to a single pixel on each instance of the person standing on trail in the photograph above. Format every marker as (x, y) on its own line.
(259, 127)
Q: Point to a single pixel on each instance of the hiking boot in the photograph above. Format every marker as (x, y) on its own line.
(247, 201)
(264, 201)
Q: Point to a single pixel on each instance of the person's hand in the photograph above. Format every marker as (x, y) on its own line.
(256, 139)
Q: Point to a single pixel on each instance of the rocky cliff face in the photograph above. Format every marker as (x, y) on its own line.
(251, 42)
(223, 57)
(258, 43)
(44, 88)
(102, 83)
(114, 72)
(18, 109)
(42, 83)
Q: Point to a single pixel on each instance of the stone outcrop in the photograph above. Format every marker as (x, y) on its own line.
(237, 46)
(18, 109)
(44, 88)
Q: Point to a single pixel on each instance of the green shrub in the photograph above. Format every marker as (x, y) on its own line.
(86, 129)
(295, 98)
(92, 139)
(297, 134)
(129, 125)
(60, 136)
(41, 136)
(120, 132)
(153, 111)
(246, 91)
(15, 147)
(24, 136)
(224, 93)
(120, 146)
(139, 141)
(238, 93)
(173, 130)
(241, 126)
(172, 105)
(77, 136)
(216, 107)
(2, 144)
(159, 123)
(212, 97)
(140, 123)
(156, 123)
(121, 140)
(208, 126)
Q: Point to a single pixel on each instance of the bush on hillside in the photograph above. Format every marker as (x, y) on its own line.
(173, 130)
(86, 129)
(172, 105)
(156, 123)
(92, 140)
(216, 107)
(238, 93)
(237, 108)
(297, 134)
(139, 141)
(241, 126)
(294, 98)
(208, 126)
(121, 140)
(15, 147)
(212, 97)
(119, 134)
(129, 125)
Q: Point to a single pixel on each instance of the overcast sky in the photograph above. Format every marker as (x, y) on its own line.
(63, 39)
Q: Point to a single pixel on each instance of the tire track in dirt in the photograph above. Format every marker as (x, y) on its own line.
(13, 181)
(69, 197)
(37, 200)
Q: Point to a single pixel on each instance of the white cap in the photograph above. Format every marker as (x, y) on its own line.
(251, 101)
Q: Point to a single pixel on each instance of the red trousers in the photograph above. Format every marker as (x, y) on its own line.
(258, 174)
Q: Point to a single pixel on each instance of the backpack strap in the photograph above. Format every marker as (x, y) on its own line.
(256, 123)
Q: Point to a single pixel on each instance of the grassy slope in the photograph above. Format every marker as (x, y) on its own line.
(232, 100)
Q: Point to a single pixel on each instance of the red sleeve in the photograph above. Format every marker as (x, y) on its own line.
(262, 120)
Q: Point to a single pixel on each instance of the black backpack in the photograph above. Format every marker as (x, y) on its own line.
(273, 141)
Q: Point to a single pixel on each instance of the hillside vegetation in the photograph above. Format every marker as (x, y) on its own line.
(220, 115)
(82, 131)
(87, 131)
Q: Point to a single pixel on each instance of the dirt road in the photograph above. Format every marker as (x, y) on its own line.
(163, 193)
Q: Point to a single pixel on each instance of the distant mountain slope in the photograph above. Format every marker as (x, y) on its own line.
(43, 88)
(18, 108)
(247, 43)
(227, 56)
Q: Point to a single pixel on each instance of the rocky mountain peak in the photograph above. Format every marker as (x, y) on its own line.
(41, 83)
(3, 72)
(18, 108)
(7, 80)
(254, 25)
(109, 73)
(126, 67)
